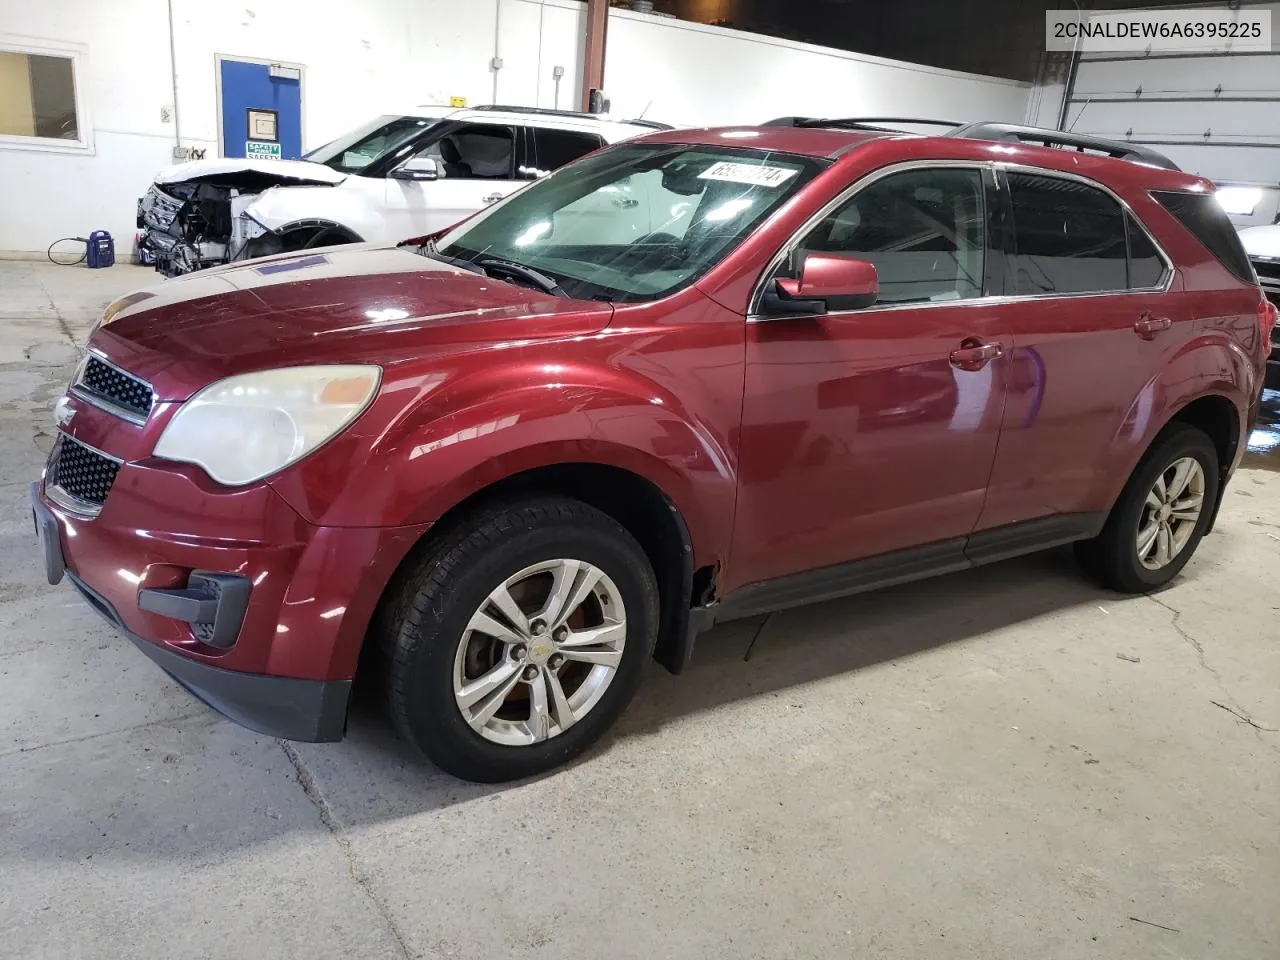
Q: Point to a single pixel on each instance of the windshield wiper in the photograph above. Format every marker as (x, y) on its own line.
(492, 265)
(431, 250)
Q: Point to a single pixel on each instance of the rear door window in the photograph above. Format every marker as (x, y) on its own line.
(552, 149)
(1146, 267)
(1069, 237)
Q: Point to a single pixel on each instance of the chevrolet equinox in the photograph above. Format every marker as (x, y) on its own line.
(693, 377)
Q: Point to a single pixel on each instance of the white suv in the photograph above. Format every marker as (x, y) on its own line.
(396, 177)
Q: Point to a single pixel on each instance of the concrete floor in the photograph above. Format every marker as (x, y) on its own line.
(1002, 763)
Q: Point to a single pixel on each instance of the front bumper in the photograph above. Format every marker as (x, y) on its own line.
(314, 711)
(298, 597)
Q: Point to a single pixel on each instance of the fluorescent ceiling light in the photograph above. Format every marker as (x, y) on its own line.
(1239, 201)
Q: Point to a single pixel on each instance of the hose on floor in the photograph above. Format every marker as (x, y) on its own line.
(84, 252)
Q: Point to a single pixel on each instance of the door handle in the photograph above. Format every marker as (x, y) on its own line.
(493, 198)
(973, 354)
(1148, 326)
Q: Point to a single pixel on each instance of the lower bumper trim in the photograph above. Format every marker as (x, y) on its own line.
(313, 711)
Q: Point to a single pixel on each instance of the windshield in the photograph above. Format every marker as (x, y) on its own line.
(354, 151)
(633, 222)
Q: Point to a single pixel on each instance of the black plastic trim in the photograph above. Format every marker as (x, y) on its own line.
(313, 711)
(1016, 539)
(904, 566)
(842, 580)
(678, 632)
(50, 538)
(870, 124)
(183, 603)
(219, 599)
(1123, 150)
(574, 114)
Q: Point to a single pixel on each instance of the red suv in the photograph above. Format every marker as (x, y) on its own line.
(693, 377)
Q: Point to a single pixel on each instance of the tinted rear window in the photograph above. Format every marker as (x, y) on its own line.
(1069, 237)
(1146, 269)
(555, 148)
(1204, 217)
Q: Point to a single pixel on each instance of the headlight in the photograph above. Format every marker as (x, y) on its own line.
(247, 427)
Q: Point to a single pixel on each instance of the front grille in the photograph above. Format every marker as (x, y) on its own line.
(1267, 270)
(81, 472)
(101, 381)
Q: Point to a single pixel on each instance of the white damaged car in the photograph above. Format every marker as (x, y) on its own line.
(399, 176)
(1262, 244)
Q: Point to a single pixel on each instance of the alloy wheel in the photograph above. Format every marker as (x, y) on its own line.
(1170, 513)
(539, 652)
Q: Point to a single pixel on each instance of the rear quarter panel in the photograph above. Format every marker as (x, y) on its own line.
(1223, 355)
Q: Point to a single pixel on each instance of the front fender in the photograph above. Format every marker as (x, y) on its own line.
(281, 209)
(459, 438)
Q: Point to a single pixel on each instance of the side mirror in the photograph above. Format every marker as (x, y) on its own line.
(417, 168)
(827, 281)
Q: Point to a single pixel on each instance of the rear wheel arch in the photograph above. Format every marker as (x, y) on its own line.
(1214, 414)
(1219, 418)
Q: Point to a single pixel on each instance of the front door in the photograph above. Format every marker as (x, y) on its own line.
(860, 434)
(477, 167)
(261, 109)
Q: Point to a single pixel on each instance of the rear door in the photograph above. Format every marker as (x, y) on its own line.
(1092, 326)
(477, 164)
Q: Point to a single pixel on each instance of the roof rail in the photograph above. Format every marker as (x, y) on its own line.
(857, 123)
(1058, 138)
(574, 114)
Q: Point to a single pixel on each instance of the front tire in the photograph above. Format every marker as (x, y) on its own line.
(520, 638)
(1161, 516)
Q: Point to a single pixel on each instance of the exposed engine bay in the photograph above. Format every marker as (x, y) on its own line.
(203, 221)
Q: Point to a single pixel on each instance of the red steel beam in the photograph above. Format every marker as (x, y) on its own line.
(593, 61)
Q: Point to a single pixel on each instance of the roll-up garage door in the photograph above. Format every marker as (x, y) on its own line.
(1215, 114)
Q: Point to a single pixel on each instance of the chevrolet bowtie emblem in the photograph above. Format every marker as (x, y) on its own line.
(63, 412)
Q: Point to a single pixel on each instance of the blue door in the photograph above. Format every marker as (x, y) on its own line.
(261, 114)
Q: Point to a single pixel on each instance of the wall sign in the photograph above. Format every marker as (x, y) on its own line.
(261, 151)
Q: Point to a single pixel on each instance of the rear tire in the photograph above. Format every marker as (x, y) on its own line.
(1161, 516)
(446, 636)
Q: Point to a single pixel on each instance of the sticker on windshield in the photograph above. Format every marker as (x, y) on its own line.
(756, 175)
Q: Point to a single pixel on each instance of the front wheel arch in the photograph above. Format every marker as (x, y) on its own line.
(641, 507)
(302, 235)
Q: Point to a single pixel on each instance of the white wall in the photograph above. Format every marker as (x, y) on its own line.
(689, 74)
(361, 59)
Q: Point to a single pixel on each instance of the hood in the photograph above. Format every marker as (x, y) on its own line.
(288, 171)
(1261, 241)
(353, 304)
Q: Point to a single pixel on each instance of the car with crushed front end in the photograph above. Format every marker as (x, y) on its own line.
(399, 175)
(1262, 244)
(694, 377)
